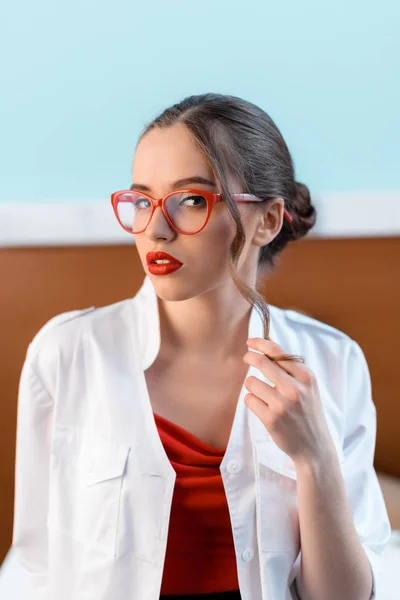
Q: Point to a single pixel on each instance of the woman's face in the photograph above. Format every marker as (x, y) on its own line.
(162, 158)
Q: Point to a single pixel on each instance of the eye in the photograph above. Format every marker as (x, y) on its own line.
(196, 200)
(140, 203)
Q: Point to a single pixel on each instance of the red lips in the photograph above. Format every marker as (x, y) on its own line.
(151, 257)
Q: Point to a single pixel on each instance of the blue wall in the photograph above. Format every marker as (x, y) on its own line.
(79, 79)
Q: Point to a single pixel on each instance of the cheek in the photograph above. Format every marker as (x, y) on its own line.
(141, 248)
(221, 236)
(222, 227)
(217, 237)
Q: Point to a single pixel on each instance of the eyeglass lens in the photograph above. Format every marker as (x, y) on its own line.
(187, 211)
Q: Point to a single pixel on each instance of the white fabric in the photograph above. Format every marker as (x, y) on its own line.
(94, 485)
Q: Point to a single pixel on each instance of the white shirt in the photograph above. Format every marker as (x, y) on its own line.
(94, 485)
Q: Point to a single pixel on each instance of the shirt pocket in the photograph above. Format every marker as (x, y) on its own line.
(87, 474)
(277, 503)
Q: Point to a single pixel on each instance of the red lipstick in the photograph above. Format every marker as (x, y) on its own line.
(162, 268)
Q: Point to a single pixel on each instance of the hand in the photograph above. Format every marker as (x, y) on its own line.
(292, 410)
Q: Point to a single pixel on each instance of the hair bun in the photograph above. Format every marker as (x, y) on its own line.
(302, 210)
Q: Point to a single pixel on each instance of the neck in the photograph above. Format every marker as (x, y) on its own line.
(211, 326)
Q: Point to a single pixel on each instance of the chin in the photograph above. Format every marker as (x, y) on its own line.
(171, 290)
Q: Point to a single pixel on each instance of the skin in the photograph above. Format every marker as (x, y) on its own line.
(203, 287)
(203, 315)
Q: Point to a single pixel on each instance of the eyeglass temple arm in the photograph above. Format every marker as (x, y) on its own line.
(252, 198)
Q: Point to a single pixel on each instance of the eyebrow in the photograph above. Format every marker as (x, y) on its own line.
(179, 183)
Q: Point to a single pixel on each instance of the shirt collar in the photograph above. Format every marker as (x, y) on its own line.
(148, 323)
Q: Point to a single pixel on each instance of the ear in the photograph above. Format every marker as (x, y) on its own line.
(270, 221)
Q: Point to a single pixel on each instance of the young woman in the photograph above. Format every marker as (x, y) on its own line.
(194, 441)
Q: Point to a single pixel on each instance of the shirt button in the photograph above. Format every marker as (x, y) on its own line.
(233, 466)
(248, 554)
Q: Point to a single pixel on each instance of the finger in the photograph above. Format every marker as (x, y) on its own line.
(263, 390)
(269, 369)
(258, 407)
(271, 349)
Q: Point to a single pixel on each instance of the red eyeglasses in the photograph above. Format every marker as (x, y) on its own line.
(186, 211)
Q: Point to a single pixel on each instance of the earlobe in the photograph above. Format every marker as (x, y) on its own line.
(262, 237)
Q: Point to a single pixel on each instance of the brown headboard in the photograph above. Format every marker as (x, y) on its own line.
(352, 284)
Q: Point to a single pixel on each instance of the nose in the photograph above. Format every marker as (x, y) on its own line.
(158, 227)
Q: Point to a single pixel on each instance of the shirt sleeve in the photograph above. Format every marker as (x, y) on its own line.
(34, 416)
(362, 486)
(363, 490)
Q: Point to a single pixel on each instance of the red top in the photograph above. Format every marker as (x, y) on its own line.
(200, 556)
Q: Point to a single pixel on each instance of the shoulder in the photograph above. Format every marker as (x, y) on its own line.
(335, 355)
(52, 327)
(65, 332)
(300, 324)
(327, 349)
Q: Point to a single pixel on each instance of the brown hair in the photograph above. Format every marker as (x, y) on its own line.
(239, 138)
